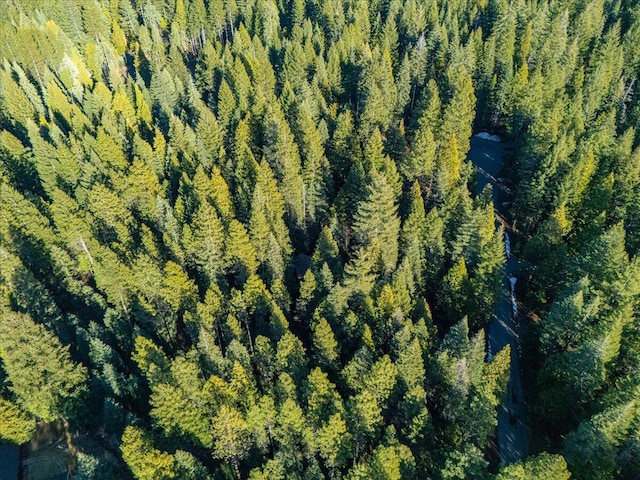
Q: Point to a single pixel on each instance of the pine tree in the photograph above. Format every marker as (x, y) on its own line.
(226, 106)
(419, 161)
(40, 371)
(333, 442)
(448, 167)
(314, 163)
(376, 224)
(359, 273)
(322, 398)
(390, 461)
(16, 426)
(377, 93)
(203, 241)
(291, 434)
(602, 434)
(455, 291)
(210, 139)
(544, 465)
(267, 214)
(282, 154)
(240, 256)
(327, 252)
(15, 103)
(459, 112)
(412, 235)
(143, 459)
(231, 437)
(151, 361)
(305, 303)
(291, 357)
(180, 416)
(325, 346)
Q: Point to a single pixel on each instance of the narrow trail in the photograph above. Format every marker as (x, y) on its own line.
(513, 434)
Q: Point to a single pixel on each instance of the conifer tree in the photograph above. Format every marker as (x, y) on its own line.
(240, 256)
(16, 426)
(46, 381)
(143, 459)
(542, 466)
(231, 437)
(376, 224)
(239, 215)
(282, 154)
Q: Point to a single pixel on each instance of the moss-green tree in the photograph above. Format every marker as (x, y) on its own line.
(144, 460)
(16, 426)
(40, 371)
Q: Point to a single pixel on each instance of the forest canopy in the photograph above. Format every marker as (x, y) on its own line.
(243, 240)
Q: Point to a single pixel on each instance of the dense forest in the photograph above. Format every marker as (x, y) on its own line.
(241, 239)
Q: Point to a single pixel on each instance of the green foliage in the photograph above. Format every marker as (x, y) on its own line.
(251, 223)
(173, 411)
(464, 463)
(89, 467)
(189, 467)
(15, 425)
(544, 465)
(231, 435)
(376, 224)
(324, 343)
(40, 371)
(143, 459)
(592, 448)
(240, 255)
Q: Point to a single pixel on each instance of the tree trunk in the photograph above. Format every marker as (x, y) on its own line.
(236, 467)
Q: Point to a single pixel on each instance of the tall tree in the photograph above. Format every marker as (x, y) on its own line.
(143, 459)
(16, 426)
(40, 371)
(376, 223)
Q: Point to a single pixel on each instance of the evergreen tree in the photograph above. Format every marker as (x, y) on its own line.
(231, 437)
(16, 426)
(40, 371)
(143, 459)
(542, 466)
(240, 256)
(376, 224)
(252, 222)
